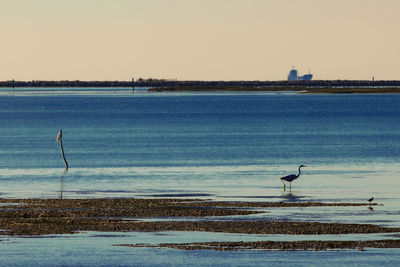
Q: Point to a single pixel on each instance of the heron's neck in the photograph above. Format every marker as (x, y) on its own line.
(299, 172)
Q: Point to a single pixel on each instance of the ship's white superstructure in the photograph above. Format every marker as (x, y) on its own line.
(293, 76)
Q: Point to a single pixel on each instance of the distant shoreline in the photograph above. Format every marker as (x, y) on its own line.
(305, 90)
(161, 85)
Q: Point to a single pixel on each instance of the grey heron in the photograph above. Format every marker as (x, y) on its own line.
(290, 178)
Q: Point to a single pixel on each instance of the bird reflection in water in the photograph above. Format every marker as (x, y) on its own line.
(370, 203)
(290, 197)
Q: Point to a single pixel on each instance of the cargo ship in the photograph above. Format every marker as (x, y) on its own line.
(293, 76)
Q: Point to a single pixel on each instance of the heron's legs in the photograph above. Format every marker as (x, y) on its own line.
(284, 185)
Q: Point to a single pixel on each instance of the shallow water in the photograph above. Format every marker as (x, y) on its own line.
(97, 249)
(222, 146)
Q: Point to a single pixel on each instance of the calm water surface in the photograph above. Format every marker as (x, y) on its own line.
(227, 146)
(220, 144)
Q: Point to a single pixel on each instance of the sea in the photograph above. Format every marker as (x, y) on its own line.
(228, 146)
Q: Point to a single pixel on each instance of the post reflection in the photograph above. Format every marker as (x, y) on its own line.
(60, 195)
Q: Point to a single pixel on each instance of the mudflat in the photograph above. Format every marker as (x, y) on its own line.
(34, 217)
(276, 245)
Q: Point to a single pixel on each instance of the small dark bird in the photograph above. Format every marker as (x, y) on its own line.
(290, 178)
(370, 200)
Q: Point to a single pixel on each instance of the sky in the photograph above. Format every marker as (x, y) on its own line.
(199, 39)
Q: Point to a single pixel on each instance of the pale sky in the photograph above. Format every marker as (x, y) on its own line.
(199, 39)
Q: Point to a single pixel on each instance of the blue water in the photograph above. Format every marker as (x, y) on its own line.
(152, 143)
(223, 146)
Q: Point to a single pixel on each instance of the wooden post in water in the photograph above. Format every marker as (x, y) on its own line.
(59, 139)
(13, 84)
(133, 84)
